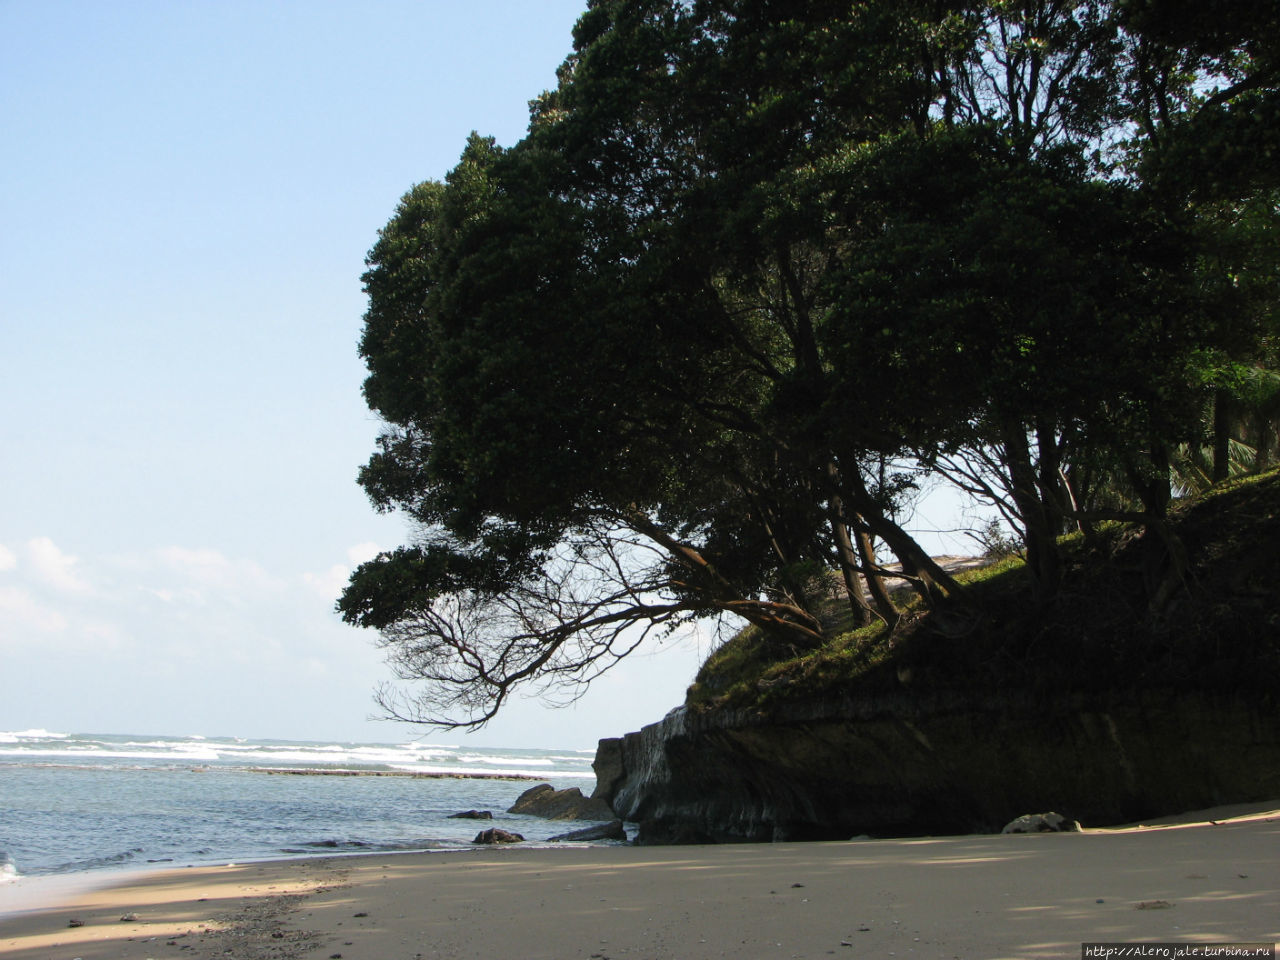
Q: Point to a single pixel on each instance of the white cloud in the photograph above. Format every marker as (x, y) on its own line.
(19, 608)
(206, 575)
(55, 568)
(361, 552)
(105, 637)
(203, 564)
(330, 583)
(8, 560)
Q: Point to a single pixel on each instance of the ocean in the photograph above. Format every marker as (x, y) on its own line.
(76, 803)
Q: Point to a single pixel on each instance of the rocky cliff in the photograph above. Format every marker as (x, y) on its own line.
(938, 765)
(1096, 704)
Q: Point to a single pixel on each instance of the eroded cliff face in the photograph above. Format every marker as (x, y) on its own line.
(939, 764)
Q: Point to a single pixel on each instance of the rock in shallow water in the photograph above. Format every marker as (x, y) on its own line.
(606, 831)
(552, 804)
(497, 835)
(1042, 823)
(608, 768)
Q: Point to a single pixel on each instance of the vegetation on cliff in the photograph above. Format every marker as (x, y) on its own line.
(756, 269)
(1099, 632)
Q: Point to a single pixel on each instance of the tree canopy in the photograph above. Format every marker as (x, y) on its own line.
(755, 270)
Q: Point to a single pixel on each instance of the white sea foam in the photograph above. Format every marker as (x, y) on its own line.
(497, 771)
(511, 761)
(413, 757)
(82, 753)
(13, 736)
(42, 892)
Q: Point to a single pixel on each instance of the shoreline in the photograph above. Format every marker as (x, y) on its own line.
(413, 774)
(1209, 876)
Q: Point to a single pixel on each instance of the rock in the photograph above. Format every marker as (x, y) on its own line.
(1042, 823)
(608, 768)
(129, 918)
(551, 804)
(937, 762)
(497, 835)
(608, 831)
(471, 815)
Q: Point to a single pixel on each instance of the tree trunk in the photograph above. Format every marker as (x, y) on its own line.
(1266, 439)
(885, 606)
(1221, 435)
(798, 626)
(932, 582)
(848, 565)
(1164, 560)
(1038, 527)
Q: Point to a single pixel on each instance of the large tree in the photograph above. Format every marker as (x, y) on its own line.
(680, 351)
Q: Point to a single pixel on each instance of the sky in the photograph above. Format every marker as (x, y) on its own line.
(187, 193)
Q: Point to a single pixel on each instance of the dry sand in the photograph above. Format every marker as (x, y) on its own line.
(981, 897)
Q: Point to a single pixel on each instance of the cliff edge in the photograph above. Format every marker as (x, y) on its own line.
(1094, 705)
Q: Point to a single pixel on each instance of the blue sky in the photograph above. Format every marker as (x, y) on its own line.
(188, 193)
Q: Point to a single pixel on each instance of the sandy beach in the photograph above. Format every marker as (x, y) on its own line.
(1213, 876)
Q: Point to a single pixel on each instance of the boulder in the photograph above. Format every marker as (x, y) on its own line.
(940, 762)
(1042, 823)
(608, 768)
(471, 815)
(551, 804)
(606, 831)
(497, 835)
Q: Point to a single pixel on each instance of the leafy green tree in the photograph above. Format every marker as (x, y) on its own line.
(1206, 96)
(1016, 316)
(682, 351)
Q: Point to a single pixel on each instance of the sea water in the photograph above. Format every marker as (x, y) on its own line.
(71, 803)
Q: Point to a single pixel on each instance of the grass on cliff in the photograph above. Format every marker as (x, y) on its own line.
(1221, 629)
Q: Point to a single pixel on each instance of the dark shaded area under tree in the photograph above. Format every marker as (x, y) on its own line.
(1091, 707)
